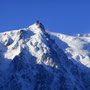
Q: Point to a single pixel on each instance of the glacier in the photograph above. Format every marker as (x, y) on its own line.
(34, 58)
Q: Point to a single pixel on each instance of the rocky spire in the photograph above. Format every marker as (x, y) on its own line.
(37, 22)
(40, 25)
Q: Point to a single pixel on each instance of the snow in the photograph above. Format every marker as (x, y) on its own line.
(76, 48)
(33, 58)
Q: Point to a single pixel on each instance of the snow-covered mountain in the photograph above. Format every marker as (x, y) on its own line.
(35, 59)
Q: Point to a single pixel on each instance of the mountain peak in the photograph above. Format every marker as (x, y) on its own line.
(37, 27)
(40, 25)
(37, 22)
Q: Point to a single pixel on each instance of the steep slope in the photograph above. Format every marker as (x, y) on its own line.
(32, 59)
(76, 47)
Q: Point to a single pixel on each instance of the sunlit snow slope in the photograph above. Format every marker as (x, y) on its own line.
(76, 47)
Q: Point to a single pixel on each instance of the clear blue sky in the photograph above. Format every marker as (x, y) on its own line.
(62, 16)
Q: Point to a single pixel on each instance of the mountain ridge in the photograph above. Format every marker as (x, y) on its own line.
(35, 59)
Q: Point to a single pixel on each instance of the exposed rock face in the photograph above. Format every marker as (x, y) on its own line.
(40, 25)
(38, 63)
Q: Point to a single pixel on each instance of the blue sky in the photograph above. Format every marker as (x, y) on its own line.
(62, 16)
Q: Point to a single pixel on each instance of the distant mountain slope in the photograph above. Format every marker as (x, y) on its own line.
(76, 47)
(35, 59)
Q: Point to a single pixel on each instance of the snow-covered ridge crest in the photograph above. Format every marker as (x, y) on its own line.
(76, 47)
(83, 35)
